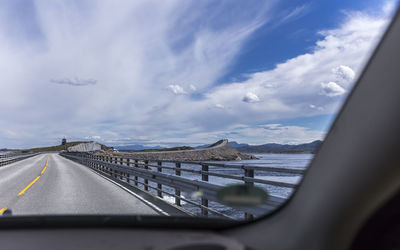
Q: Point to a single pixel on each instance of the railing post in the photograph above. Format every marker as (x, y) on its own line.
(177, 191)
(136, 178)
(121, 174)
(109, 168)
(110, 158)
(128, 176)
(250, 174)
(159, 186)
(115, 171)
(99, 164)
(146, 181)
(204, 177)
(106, 168)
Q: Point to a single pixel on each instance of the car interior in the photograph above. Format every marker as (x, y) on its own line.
(349, 197)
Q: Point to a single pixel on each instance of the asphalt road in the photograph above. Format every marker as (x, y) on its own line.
(50, 184)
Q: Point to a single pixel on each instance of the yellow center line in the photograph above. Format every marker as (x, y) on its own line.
(2, 210)
(30, 184)
(45, 166)
(26, 188)
(44, 169)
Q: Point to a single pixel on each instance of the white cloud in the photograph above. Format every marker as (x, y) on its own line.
(74, 82)
(133, 49)
(94, 137)
(312, 106)
(220, 106)
(327, 71)
(296, 13)
(176, 89)
(290, 134)
(192, 87)
(250, 97)
(389, 7)
(344, 73)
(332, 89)
(258, 134)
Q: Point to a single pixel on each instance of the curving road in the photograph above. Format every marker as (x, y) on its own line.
(51, 184)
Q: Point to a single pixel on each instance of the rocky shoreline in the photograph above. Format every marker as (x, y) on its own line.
(219, 151)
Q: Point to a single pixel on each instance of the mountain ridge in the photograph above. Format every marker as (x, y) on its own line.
(277, 148)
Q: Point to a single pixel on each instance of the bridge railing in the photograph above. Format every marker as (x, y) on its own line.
(165, 178)
(11, 158)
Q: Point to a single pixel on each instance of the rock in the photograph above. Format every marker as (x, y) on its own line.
(217, 158)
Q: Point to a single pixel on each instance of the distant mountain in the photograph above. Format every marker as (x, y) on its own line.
(234, 144)
(136, 147)
(277, 148)
(202, 146)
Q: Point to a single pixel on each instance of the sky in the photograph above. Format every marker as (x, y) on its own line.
(180, 72)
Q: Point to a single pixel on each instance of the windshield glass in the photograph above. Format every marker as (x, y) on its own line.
(172, 108)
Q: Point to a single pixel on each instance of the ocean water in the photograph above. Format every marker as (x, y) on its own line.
(292, 161)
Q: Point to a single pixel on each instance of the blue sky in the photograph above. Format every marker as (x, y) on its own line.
(180, 72)
(295, 36)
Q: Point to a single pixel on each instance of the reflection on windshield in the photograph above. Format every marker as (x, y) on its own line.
(173, 109)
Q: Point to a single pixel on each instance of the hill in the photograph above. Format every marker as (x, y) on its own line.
(53, 148)
(277, 148)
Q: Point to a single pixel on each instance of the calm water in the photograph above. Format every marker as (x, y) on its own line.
(293, 161)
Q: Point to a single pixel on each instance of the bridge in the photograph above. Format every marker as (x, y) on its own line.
(87, 183)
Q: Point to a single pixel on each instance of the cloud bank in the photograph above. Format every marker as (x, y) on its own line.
(135, 50)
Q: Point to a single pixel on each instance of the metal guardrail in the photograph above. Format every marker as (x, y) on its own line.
(11, 158)
(142, 173)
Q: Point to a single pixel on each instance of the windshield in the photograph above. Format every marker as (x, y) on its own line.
(172, 108)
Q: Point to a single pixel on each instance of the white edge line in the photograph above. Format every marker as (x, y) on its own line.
(132, 193)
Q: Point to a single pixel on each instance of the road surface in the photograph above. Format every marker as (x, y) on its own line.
(50, 184)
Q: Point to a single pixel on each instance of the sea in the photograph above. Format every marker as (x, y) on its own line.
(291, 161)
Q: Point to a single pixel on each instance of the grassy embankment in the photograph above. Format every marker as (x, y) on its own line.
(53, 148)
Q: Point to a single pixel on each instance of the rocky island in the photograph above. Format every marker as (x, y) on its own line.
(219, 151)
